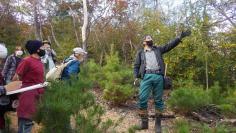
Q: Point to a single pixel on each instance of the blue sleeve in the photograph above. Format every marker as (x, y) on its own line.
(74, 68)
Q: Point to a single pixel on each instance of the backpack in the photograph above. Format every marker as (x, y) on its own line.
(55, 73)
(167, 81)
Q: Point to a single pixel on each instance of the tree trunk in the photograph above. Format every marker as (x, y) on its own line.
(40, 26)
(85, 25)
(75, 30)
(74, 17)
(53, 35)
(206, 67)
(36, 20)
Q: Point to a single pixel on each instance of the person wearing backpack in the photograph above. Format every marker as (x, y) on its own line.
(149, 66)
(31, 72)
(11, 64)
(74, 61)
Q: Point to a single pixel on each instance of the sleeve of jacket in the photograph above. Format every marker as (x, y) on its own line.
(54, 53)
(2, 90)
(137, 64)
(170, 45)
(6, 66)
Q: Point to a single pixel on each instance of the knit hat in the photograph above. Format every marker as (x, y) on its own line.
(32, 46)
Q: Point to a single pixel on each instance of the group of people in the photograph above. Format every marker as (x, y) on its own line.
(149, 66)
(31, 70)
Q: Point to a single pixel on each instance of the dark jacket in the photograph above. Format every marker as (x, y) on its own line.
(140, 61)
(2, 90)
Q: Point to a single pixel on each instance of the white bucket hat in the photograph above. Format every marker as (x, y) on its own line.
(79, 50)
(3, 51)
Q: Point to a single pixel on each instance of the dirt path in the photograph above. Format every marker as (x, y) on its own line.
(127, 113)
(129, 117)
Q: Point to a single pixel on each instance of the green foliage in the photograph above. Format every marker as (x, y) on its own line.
(114, 78)
(95, 72)
(71, 98)
(182, 126)
(227, 103)
(231, 97)
(219, 128)
(188, 99)
(228, 109)
(8, 122)
(63, 99)
(117, 82)
(216, 95)
(89, 121)
(191, 97)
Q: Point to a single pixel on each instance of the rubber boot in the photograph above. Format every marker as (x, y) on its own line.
(143, 120)
(143, 124)
(158, 122)
(158, 125)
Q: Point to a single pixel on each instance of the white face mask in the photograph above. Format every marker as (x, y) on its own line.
(19, 53)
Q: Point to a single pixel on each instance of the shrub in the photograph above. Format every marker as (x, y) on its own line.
(187, 100)
(228, 104)
(89, 121)
(219, 128)
(62, 100)
(117, 82)
(228, 110)
(94, 72)
(231, 98)
(214, 93)
(182, 126)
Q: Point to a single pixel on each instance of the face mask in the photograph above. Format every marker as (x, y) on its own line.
(41, 52)
(19, 53)
(149, 43)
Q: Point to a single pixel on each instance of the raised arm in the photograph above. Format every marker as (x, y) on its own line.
(172, 44)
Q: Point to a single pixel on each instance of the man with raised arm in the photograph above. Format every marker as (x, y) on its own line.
(149, 66)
